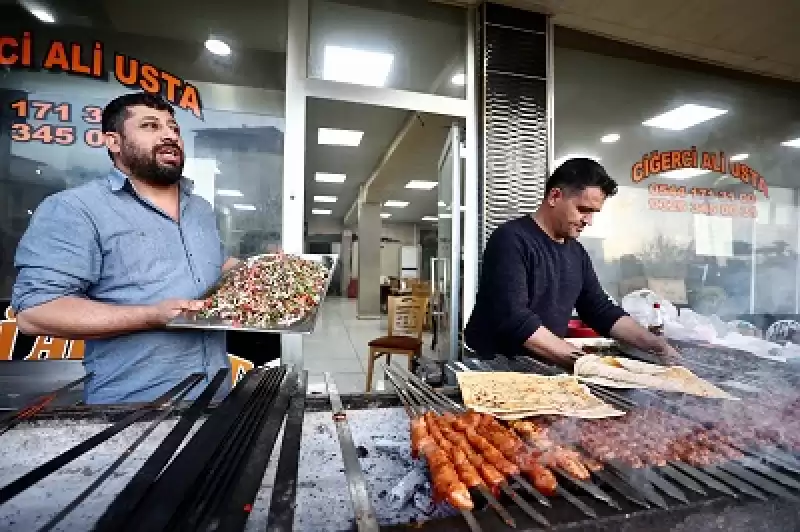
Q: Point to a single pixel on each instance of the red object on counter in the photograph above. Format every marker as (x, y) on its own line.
(578, 329)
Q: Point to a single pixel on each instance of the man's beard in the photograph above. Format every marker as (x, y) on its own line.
(145, 166)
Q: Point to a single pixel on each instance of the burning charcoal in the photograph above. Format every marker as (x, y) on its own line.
(404, 490)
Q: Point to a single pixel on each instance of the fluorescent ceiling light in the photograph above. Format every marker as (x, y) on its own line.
(610, 138)
(217, 47)
(794, 143)
(739, 157)
(351, 65)
(244, 207)
(561, 160)
(421, 185)
(385, 215)
(396, 204)
(339, 137)
(321, 211)
(445, 215)
(324, 177)
(324, 199)
(459, 79)
(42, 14)
(229, 193)
(684, 173)
(429, 218)
(684, 116)
(442, 204)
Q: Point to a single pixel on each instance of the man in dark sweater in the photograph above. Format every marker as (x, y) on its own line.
(535, 273)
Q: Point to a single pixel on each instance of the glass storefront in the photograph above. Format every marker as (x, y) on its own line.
(707, 205)
(230, 107)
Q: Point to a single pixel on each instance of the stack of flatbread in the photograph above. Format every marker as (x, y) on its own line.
(509, 396)
(621, 372)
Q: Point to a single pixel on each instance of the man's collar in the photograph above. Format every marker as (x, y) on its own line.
(117, 180)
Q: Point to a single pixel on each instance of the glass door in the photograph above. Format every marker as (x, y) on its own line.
(446, 267)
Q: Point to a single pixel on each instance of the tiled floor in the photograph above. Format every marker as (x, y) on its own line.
(339, 346)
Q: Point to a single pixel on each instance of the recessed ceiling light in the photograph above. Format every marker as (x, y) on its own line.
(385, 215)
(429, 218)
(324, 177)
(229, 193)
(339, 137)
(351, 65)
(459, 79)
(396, 204)
(684, 173)
(321, 211)
(611, 137)
(561, 160)
(794, 143)
(30, 212)
(42, 14)
(324, 199)
(217, 47)
(244, 207)
(739, 157)
(684, 116)
(421, 185)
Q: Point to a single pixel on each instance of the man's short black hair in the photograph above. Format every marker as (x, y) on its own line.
(116, 111)
(575, 175)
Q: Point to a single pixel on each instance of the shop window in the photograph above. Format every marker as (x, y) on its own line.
(707, 173)
(228, 95)
(401, 44)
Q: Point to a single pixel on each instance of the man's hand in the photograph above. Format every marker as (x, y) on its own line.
(626, 330)
(164, 312)
(666, 351)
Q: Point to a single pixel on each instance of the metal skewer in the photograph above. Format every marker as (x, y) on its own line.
(431, 402)
(413, 413)
(11, 420)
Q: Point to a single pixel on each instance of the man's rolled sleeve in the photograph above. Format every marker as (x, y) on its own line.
(59, 254)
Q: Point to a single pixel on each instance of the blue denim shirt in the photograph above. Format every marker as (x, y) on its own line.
(104, 242)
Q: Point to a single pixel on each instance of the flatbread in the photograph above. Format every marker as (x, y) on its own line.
(511, 395)
(629, 373)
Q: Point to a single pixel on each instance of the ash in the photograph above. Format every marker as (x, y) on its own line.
(382, 437)
(32, 444)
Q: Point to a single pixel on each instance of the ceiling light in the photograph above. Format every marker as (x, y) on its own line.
(610, 138)
(459, 79)
(684, 116)
(385, 215)
(229, 193)
(324, 199)
(30, 212)
(321, 211)
(429, 218)
(42, 14)
(351, 65)
(739, 157)
(442, 204)
(794, 143)
(684, 173)
(324, 177)
(217, 47)
(561, 160)
(339, 137)
(396, 204)
(445, 215)
(244, 207)
(421, 185)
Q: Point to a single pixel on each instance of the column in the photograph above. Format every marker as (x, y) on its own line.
(345, 256)
(514, 54)
(369, 260)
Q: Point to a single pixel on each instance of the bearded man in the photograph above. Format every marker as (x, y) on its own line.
(113, 261)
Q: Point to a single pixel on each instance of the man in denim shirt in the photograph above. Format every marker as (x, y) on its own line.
(113, 261)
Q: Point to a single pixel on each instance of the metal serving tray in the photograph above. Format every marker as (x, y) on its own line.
(304, 326)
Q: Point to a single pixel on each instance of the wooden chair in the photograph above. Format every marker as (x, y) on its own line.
(406, 321)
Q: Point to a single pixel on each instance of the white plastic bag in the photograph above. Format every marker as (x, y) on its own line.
(639, 304)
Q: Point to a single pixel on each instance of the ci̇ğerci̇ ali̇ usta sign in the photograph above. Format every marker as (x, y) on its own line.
(50, 122)
(672, 196)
